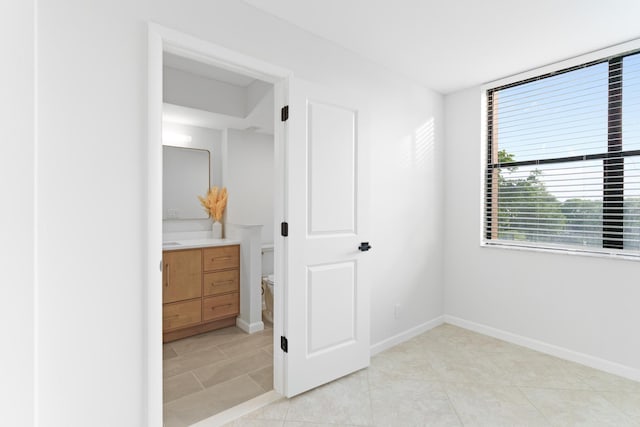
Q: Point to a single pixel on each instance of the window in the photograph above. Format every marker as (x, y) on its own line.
(563, 169)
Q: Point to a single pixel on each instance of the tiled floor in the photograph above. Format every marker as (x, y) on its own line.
(452, 377)
(208, 373)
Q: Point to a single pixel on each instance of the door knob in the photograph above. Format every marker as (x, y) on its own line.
(364, 246)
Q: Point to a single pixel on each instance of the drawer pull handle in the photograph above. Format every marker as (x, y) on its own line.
(168, 275)
(222, 258)
(222, 282)
(220, 306)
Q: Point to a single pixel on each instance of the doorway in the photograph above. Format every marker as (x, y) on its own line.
(164, 42)
(321, 197)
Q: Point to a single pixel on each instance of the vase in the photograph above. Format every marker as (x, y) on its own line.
(216, 228)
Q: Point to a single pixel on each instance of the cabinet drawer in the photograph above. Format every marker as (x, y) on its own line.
(221, 306)
(221, 282)
(181, 314)
(221, 257)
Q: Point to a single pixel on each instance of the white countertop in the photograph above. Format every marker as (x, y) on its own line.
(175, 245)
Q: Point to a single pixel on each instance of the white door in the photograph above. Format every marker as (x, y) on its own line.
(327, 293)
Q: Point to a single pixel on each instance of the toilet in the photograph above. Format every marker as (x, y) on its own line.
(267, 282)
(267, 293)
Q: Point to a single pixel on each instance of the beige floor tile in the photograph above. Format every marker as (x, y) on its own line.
(179, 386)
(576, 407)
(168, 352)
(345, 401)
(250, 343)
(604, 381)
(303, 424)
(403, 363)
(406, 402)
(493, 405)
(227, 369)
(627, 402)
(208, 402)
(264, 377)
(249, 422)
(445, 330)
(447, 337)
(193, 360)
(446, 376)
(467, 367)
(274, 411)
(533, 369)
(171, 421)
(207, 340)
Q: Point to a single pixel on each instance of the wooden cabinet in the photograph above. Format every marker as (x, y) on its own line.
(221, 306)
(221, 282)
(181, 275)
(221, 258)
(181, 314)
(201, 290)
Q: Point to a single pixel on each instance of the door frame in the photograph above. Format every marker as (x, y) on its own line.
(161, 39)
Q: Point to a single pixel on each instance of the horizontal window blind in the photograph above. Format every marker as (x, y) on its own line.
(563, 166)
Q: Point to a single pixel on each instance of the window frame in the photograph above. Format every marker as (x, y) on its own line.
(612, 216)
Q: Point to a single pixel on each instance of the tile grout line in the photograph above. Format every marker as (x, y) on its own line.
(254, 381)
(231, 360)
(455, 410)
(193, 374)
(208, 346)
(533, 404)
(373, 423)
(165, 402)
(227, 359)
(231, 356)
(233, 378)
(604, 396)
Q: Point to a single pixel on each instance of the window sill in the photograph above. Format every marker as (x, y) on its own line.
(559, 251)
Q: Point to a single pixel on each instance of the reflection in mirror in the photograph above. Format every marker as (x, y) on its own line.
(186, 175)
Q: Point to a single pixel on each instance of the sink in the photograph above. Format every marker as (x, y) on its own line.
(170, 244)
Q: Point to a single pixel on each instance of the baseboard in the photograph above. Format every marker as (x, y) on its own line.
(406, 335)
(543, 347)
(250, 328)
(240, 410)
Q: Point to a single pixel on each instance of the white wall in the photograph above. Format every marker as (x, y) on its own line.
(249, 178)
(584, 304)
(17, 186)
(258, 91)
(91, 225)
(205, 139)
(194, 91)
(91, 188)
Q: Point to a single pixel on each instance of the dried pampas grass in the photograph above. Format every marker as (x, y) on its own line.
(214, 202)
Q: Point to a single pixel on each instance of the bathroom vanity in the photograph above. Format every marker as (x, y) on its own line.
(200, 286)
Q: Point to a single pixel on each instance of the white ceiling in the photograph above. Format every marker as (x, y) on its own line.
(205, 70)
(449, 45)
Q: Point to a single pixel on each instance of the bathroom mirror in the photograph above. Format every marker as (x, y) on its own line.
(186, 174)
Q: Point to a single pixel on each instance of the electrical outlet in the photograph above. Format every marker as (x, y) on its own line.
(397, 311)
(173, 213)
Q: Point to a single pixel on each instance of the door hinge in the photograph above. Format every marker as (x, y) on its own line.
(284, 113)
(284, 229)
(284, 344)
